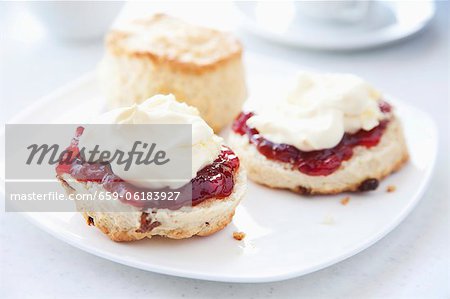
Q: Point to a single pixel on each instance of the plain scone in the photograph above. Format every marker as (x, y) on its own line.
(203, 219)
(161, 55)
(366, 163)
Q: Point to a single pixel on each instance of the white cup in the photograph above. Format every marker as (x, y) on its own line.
(76, 20)
(344, 11)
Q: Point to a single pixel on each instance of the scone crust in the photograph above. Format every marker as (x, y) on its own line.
(366, 163)
(170, 41)
(205, 219)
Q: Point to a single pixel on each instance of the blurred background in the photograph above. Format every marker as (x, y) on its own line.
(390, 44)
(402, 48)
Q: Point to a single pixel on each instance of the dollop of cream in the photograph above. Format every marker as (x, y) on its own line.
(159, 109)
(319, 110)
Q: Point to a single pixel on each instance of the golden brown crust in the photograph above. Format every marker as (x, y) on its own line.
(116, 43)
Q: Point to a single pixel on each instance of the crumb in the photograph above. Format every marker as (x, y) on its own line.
(345, 200)
(238, 235)
(391, 188)
(328, 220)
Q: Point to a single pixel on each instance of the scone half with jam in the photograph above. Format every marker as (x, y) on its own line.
(332, 133)
(218, 181)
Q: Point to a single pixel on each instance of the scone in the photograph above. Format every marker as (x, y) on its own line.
(332, 133)
(218, 182)
(161, 54)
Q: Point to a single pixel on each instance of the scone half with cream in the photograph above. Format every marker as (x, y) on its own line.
(332, 133)
(218, 182)
(161, 54)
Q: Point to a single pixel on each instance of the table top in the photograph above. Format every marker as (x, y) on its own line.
(411, 262)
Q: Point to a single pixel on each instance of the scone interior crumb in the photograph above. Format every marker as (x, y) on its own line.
(238, 235)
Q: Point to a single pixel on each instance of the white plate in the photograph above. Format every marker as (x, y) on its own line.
(386, 22)
(287, 235)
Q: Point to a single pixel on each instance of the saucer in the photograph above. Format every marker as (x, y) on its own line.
(386, 22)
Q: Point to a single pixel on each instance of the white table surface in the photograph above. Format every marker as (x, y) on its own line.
(411, 262)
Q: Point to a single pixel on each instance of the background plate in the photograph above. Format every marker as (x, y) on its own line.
(288, 235)
(386, 22)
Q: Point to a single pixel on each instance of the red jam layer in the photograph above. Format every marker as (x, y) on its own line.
(213, 181)
(313, 163)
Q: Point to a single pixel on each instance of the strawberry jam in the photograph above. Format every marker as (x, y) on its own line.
(213, 181)
(313, 163)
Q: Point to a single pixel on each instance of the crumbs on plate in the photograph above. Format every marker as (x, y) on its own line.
(345, 200)
(328, 220)
(238, 236)
(391, 188)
